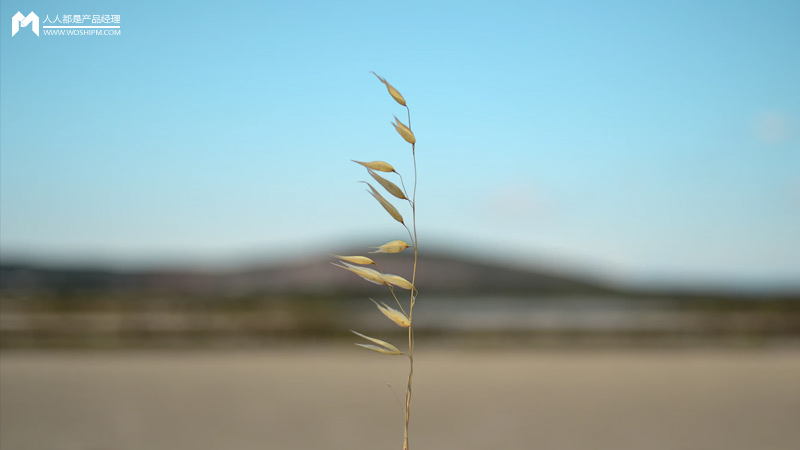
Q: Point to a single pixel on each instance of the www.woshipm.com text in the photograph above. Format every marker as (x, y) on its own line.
(89, 32)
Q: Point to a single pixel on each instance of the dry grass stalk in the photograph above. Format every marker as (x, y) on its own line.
(401, 318)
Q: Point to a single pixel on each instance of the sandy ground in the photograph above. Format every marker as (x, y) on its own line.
(339, 399)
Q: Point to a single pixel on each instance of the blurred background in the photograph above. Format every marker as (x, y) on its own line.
(608, 215)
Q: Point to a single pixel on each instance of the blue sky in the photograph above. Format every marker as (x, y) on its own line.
(645, 141)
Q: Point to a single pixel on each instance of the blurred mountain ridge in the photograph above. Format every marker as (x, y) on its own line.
(438, 274)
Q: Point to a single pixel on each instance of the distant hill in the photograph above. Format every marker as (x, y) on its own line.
(437, 273)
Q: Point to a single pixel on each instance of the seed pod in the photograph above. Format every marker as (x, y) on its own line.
(397, 281)
(386, 205)
(388, 185)
(383, 350)
(391, 247)
(392, 91)
(370, 275)
(404, 131)
(355, 259)
(380, 166)
(382, 347)
(393, 314)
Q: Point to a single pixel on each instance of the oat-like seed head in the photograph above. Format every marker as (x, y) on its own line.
(391, 247)
(382, 347)
(386, 205)
(388, 185)
(355, 259)
(397, 281)
(380, 166)
(404, 131)
(373, 276)
(392, 91)
(393, 314)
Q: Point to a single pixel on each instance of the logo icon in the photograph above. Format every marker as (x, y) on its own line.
(21, 21)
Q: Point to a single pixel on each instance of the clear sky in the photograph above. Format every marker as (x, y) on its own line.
(653, 140)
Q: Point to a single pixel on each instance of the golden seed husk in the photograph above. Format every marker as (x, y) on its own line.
(384, 346)
(404, 131)
(391, 247)
(388, 185)
(355, 259)
(375, 348)
(397, 281)
(370, 275)
(392, 91)
(380, 166)
(393, 314)
(386, 205)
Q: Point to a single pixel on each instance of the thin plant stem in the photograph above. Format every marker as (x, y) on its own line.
(413, 294)
(413, 243)
(397, 300)
(402, 183)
